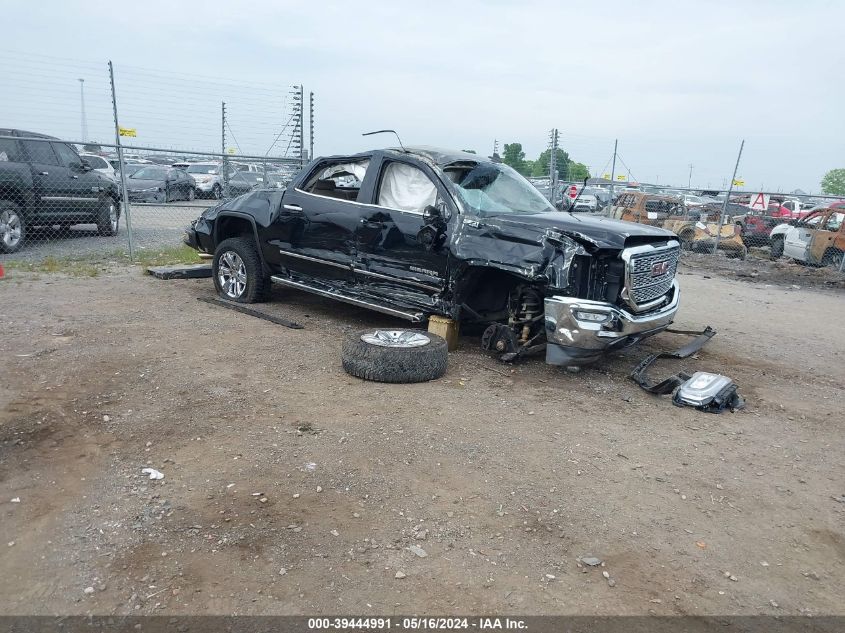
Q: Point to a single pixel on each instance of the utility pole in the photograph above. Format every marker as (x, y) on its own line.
(553, 165)
(613, 169)
(727, 199)
(82, 109)
(495, 147)
(124, 193)
(301, 126)
(311, 124)
(223, 148)
(689, 181)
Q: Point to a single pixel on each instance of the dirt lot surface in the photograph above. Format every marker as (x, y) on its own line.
(291, 487)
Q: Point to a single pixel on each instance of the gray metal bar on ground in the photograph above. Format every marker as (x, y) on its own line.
(239, 308)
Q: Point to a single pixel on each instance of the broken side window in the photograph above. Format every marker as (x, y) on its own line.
(339, 179)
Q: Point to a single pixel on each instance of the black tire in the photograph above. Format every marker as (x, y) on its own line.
(217, 192)
(395, 364)
(191, 194)
(833, 257)
(107, 224)
(256, 285)
(777, 247)
(13, 231)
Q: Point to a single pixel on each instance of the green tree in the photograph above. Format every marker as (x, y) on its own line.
(833, 182)
(578, 171)
(514, 157)
(541, 165)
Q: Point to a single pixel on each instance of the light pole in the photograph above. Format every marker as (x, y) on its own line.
(82, 101)
(689, 182)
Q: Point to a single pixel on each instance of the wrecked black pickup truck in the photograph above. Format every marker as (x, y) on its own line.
(416, 232)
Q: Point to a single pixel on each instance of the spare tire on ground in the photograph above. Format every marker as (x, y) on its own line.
(395, 355)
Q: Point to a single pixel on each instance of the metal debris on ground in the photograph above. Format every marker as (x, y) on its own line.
(260, 315)
(192, 271)
(153, 473)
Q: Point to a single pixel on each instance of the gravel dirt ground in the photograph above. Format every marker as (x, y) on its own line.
(292, 488)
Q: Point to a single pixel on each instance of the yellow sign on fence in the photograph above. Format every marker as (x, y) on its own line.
(127, 131)
(739, 182)
(620, 177)
(606, 176)
(231, 150)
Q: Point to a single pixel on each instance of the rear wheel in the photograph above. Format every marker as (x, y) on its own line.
(12, 227)
(238, 273)
(686, 238)
(108, 218)
(777, 247)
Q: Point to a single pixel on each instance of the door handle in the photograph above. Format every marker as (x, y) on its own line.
(371, 224)
(44, 173)
(292, 207)
(75, 177)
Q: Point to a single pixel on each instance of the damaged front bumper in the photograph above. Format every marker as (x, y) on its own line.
(580, 331)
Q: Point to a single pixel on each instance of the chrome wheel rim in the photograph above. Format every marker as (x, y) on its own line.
(11, 229)
(231, 273)
(113, 216)
(395, 338)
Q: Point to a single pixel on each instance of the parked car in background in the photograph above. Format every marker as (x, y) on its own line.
(46, 183)
(585, 202)
(817, 239)
(208, 178)
(245, 181)
(100, 164)
(691, 200)
(645, 208)
(160, 184)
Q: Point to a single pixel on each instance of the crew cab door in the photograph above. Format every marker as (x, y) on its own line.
(825, 238)
(49, 180)
(391, 248)
(314, 231)
(796, 242)
(83, 184)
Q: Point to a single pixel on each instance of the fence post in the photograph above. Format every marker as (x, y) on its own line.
(225, 166)
(124, 195)
(727, 200)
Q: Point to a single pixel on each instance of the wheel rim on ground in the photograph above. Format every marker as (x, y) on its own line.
(231, 273)
(10, 228)
(395, 338)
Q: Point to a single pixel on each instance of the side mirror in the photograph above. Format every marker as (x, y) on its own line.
(84, 165)
(436, 215)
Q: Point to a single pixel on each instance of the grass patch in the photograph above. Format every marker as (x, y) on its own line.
(164, 256)
(93, 264)
(50, 264)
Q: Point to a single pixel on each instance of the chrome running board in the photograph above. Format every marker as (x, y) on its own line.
(415, 317)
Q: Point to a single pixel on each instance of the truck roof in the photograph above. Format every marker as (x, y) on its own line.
(23, 133)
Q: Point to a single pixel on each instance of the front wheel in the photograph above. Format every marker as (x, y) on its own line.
(12, 228)
(107, 218)
(833, 257)
(238, 273)
(777, 247)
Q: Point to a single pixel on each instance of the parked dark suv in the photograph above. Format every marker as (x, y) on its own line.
(418, 232)
(44, 182)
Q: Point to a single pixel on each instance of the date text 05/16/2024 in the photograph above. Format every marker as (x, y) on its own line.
(415, 623)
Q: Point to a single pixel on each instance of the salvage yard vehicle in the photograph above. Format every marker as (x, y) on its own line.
(160, 184)
(44, 182)
(818, 239)
(421, 232)
(208, 178)
(645, 208)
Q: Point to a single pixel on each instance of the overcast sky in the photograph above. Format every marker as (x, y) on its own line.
(677, 83)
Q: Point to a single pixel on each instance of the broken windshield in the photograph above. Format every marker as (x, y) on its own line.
(491, 189)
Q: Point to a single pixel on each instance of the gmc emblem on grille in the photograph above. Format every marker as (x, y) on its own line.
(660, 268)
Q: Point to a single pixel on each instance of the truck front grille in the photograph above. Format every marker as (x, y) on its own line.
(650, 273)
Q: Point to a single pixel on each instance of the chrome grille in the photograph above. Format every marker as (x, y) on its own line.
(647, 279)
